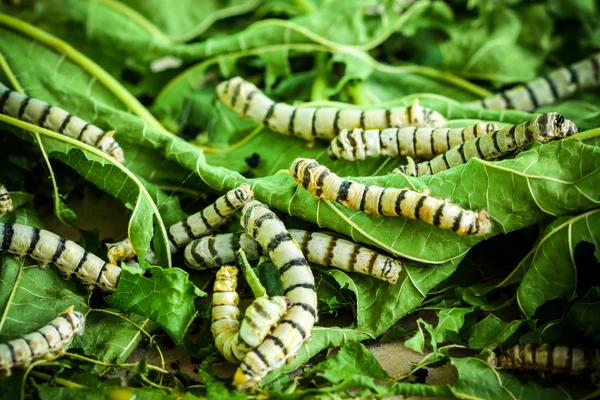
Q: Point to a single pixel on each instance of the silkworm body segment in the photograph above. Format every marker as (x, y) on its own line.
(424, 143)
(310, 123)
(543, 91)
(70, 258)
(201, 223)
(56, 119)
(6, 204)
(319, 248)
(547, 358)
(47, 342)
(375, 200)
(233, 339)
(542, 128)
(298, 286)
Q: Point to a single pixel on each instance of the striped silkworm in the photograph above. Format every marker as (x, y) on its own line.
(232, 339)
(6, 204)
(425, 143)
(310, 123)
(375, 200)
(546, 90)
(193, 227)
(318, 248)
(298, 284)
(70, 258)
(47, 342)
(38, 112)
(542, 128)
(547, 358)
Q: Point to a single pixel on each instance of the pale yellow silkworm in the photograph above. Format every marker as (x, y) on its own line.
(547, 358)
(318, 248)
(47, 342)
(311, 123)
(193, 227)
(424, 143)
(298, 284)
(70, 258)
(38, 112)
(546, 90)
(232, 339)
(375, 200)
(6, 204)
(542, 128)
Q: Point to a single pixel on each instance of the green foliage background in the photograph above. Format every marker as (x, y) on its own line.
(531, 280)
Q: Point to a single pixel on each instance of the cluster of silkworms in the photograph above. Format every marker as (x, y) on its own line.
(273, 329)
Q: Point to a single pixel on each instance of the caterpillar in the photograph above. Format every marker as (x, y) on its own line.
(6, 204)
(194, 226)
(375, 200)
(70, 258)
(546, 90)
(547, 358)
(47, 342)
(542, 128)
(232, 339)
(298, 285)
(425, 143)
(38, 112)
(319, 248)
(310, 123)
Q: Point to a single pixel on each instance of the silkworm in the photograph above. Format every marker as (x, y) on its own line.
(232, 339)
(547, 358)
(47, 342)
(298, 285)
(6, 204)
(310, 123)
(318, 248)
(193, 227)
(38, 112)
(546, 90)
(425, 143)
(70, 258)
(542, 128)
(375, 200)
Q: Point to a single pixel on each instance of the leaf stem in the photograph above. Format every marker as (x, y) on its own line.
(124, 318)
(255, 285)
(211, 18)
(319, 87)
(14, 81)
(87, 64)
(59, 381)
(307, 6)
(358, 93)
(12, 294)
(311, 48)
(55, 194)
(592, 133)
(103, 156)
(136, 17)
(107, 364)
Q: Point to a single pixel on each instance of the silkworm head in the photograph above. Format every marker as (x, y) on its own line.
(550, 126)
(492, 360)
(118, 155)
(485, 223)
(295, 166)
(222, 89)
(242, 195)
(243, 381)
(81, 323)
(435, 119)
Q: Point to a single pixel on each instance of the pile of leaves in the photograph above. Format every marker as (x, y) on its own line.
(149, 71)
